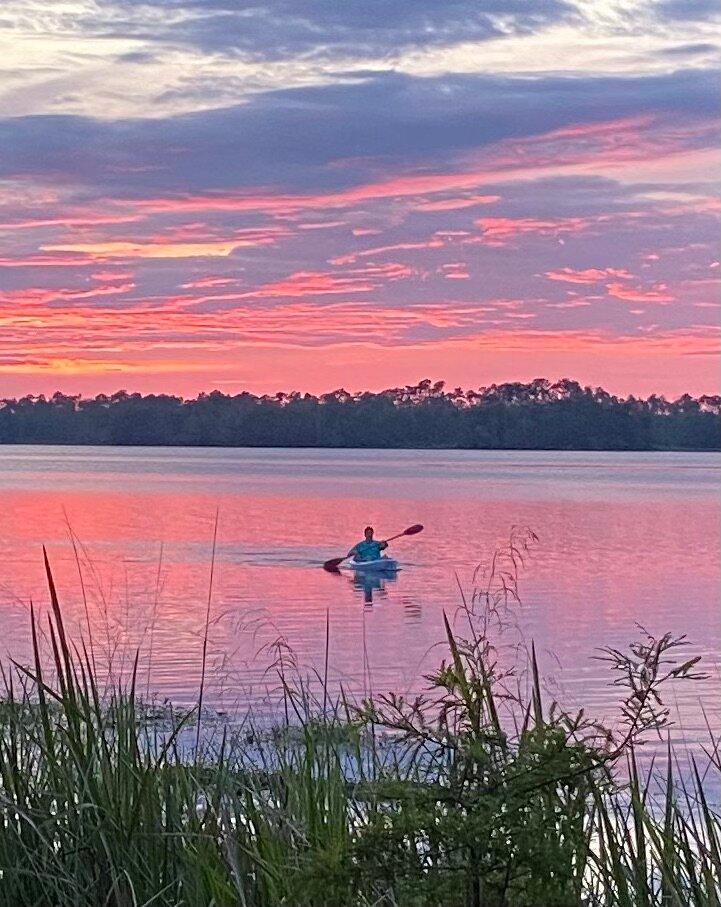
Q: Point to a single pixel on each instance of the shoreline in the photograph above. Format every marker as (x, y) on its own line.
(170, 446)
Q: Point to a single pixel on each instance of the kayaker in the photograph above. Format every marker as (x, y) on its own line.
(368, 549)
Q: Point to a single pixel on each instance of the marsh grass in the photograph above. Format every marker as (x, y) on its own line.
(478, 792)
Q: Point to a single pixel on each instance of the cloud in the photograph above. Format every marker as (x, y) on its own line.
(103, 251)
(44, 295)
(397, 124)
(277, 29)
(350, 209)
(309, 283)
(35, 261)
(658, 293)
(182, 241)
(433, 243)
(690, 50)
(501, 230)
(84, 219)
(686, 10)
(455, 204)
(587, 275)
(454, 270)
(112, 275)
(203, 283)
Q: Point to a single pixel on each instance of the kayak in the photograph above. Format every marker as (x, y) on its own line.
(381, 563)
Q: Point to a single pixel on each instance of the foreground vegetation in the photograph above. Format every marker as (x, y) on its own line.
(477, 793)
(539, 415)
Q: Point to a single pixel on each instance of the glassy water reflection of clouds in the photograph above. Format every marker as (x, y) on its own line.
(625, 539)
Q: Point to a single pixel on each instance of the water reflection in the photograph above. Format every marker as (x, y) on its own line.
(625, 539)
(369, 583)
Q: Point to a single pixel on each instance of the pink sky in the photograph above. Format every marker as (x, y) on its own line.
(468, 224)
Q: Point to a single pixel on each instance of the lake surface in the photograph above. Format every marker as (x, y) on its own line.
(624, 539)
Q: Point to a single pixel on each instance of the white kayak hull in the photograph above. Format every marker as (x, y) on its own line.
(382, 563)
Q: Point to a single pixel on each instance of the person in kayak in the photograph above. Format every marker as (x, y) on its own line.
(369, 549)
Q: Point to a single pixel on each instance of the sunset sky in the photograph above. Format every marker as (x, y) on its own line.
(308, 194)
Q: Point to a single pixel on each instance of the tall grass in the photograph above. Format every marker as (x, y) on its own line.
(470, 795)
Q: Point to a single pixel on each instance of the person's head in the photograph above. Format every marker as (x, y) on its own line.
(368, 533)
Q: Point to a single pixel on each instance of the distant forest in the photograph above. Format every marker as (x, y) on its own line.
(540, 415)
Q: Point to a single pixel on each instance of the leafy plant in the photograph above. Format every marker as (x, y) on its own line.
(472, 794)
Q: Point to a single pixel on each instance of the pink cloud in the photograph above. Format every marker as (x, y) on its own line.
(382, 250)
(454, 270)
(572, 149)
(323, 225)
(53, 333)
(157, 248)
(453, 204)
(63, 337)
(48, 261)
(320, 283)
(207, 282)
(306, 307)
(626, 125)
(587, 275)
(43, 295)
(112, 275)
(499, 230)
(69, 220)
(656, 293)
(569, 304)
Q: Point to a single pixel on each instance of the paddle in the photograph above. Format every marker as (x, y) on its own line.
(335, 562)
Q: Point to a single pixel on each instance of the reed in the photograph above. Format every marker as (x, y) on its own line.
(473, 794)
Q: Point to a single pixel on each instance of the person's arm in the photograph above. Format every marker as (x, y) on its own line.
(383, 545)
(352, 551)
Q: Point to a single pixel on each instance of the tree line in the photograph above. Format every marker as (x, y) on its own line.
(538, 415)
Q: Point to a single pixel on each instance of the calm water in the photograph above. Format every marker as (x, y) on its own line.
(624, 539)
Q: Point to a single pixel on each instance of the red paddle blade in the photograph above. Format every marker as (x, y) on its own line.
(414, 530)
(333, 563)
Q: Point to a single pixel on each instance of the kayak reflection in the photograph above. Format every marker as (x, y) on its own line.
(369, 582)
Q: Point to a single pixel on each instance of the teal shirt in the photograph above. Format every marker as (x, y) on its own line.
(368, 551)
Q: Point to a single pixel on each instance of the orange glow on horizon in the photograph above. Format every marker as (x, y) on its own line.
(686, 359)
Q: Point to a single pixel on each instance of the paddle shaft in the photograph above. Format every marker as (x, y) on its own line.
(411, 530)
(394, 537)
